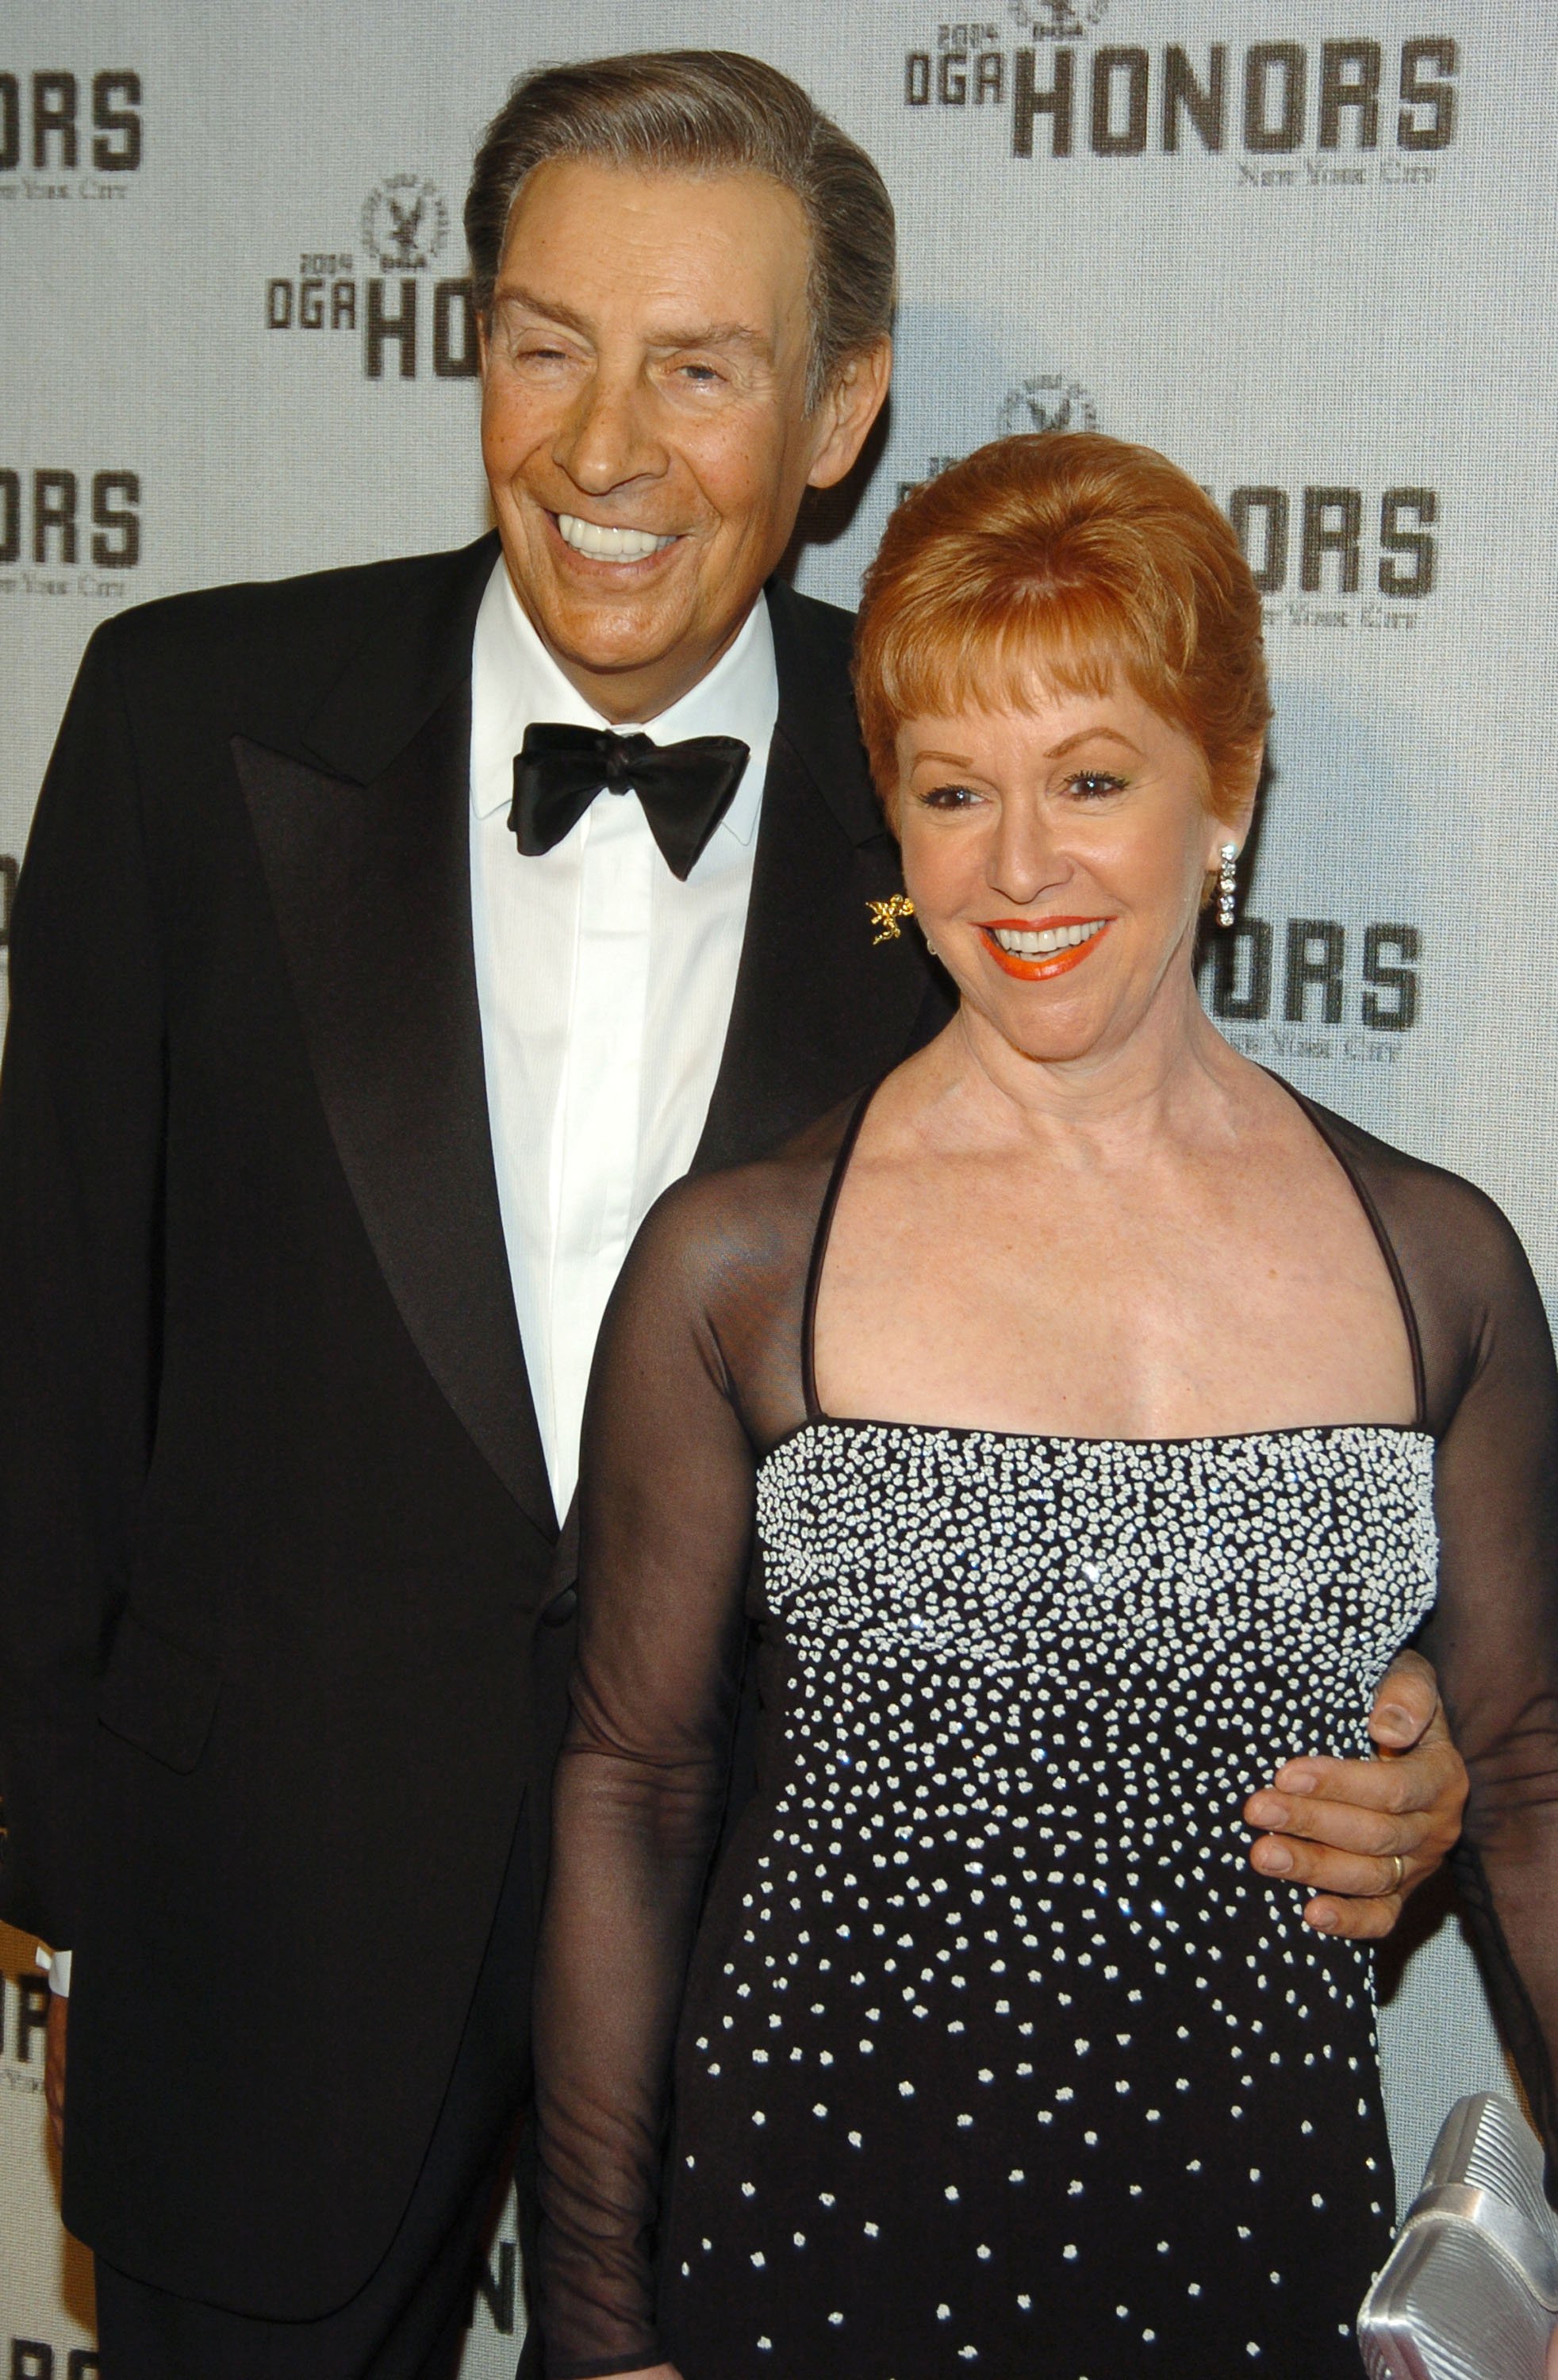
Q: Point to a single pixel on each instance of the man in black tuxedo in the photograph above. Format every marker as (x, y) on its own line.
(351, 1035)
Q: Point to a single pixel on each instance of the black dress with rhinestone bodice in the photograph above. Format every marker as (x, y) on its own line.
(989, 2050)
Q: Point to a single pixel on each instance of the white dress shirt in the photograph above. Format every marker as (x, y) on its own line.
(605, 987)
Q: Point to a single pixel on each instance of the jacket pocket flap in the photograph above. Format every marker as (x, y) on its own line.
(157, 1695)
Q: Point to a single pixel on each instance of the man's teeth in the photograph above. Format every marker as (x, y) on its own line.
(1043, 941)
(609, 544)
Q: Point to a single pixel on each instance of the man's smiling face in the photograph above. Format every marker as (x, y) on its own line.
(644, 422)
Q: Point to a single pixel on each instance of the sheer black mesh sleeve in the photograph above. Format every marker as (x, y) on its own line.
(711, 1297)
(1490, 1393)
(1494, 1640)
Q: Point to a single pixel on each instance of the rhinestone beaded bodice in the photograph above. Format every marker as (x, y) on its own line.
(1146, 1627)
(1132, 1611)
(999, 2006)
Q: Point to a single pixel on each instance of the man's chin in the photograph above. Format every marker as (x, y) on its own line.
(626, 665)
(652, 640)
(606, 647)
(602, 617)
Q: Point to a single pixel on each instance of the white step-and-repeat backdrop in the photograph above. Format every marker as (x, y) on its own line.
(1305, 246)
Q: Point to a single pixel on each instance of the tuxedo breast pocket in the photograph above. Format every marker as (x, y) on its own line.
(158, 1695)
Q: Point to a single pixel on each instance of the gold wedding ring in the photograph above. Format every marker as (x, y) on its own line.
(1399, 1876)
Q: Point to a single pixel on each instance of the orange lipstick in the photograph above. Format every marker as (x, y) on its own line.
(1039, 970)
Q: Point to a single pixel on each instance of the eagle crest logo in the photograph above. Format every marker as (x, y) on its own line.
(405, 222)
(1058, 20)
(1047, 401)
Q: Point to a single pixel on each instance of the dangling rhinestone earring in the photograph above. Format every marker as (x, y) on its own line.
(1227, 883)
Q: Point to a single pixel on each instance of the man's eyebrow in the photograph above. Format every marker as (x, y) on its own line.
(699, 334)
(550, 310)
(718, 334)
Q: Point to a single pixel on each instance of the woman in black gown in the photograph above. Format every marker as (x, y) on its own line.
(1102, 1417)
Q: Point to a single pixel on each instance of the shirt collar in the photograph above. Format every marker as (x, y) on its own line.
(515, 682)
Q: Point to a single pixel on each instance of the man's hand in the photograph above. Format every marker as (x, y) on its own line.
(1367, 1833)
(54, 2068)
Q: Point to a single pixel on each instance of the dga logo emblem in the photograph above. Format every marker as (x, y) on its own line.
(405, 222)
(1058, 20)
(1046, 401)
(404, 226)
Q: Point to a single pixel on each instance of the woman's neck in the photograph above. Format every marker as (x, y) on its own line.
(1171, 1076)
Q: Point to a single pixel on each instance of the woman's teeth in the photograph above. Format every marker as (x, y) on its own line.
(608, 544)
(1043, 941)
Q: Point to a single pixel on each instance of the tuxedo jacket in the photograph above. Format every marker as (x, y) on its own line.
(283, 1598)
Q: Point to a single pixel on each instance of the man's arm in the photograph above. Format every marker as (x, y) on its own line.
(1365, 1833)
(81, 1108)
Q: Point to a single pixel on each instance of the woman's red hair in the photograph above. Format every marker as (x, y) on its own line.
(1062, 563)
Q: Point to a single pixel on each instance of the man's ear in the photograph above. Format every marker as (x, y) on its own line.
(850, 404)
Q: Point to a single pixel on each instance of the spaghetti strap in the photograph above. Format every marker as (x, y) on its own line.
(820, 1250)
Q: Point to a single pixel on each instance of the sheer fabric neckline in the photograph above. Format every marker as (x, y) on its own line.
(816, 1417)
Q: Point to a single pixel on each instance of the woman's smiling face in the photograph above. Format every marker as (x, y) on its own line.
(1056, 855)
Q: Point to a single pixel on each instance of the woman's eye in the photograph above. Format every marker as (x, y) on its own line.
(1094, 784)
(949, 798)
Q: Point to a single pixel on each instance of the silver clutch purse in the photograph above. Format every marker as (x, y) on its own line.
(1470, 2288)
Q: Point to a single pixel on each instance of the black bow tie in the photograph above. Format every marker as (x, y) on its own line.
(685, 789)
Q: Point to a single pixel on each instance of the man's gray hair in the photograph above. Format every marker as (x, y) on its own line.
(701, 112)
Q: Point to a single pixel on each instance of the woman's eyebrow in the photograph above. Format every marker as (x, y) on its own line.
(1087, 735)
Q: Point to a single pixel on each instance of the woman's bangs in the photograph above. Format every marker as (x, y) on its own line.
(1039, 646)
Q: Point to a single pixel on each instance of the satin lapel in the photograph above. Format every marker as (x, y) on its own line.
(820, 1007)
(371, 885)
